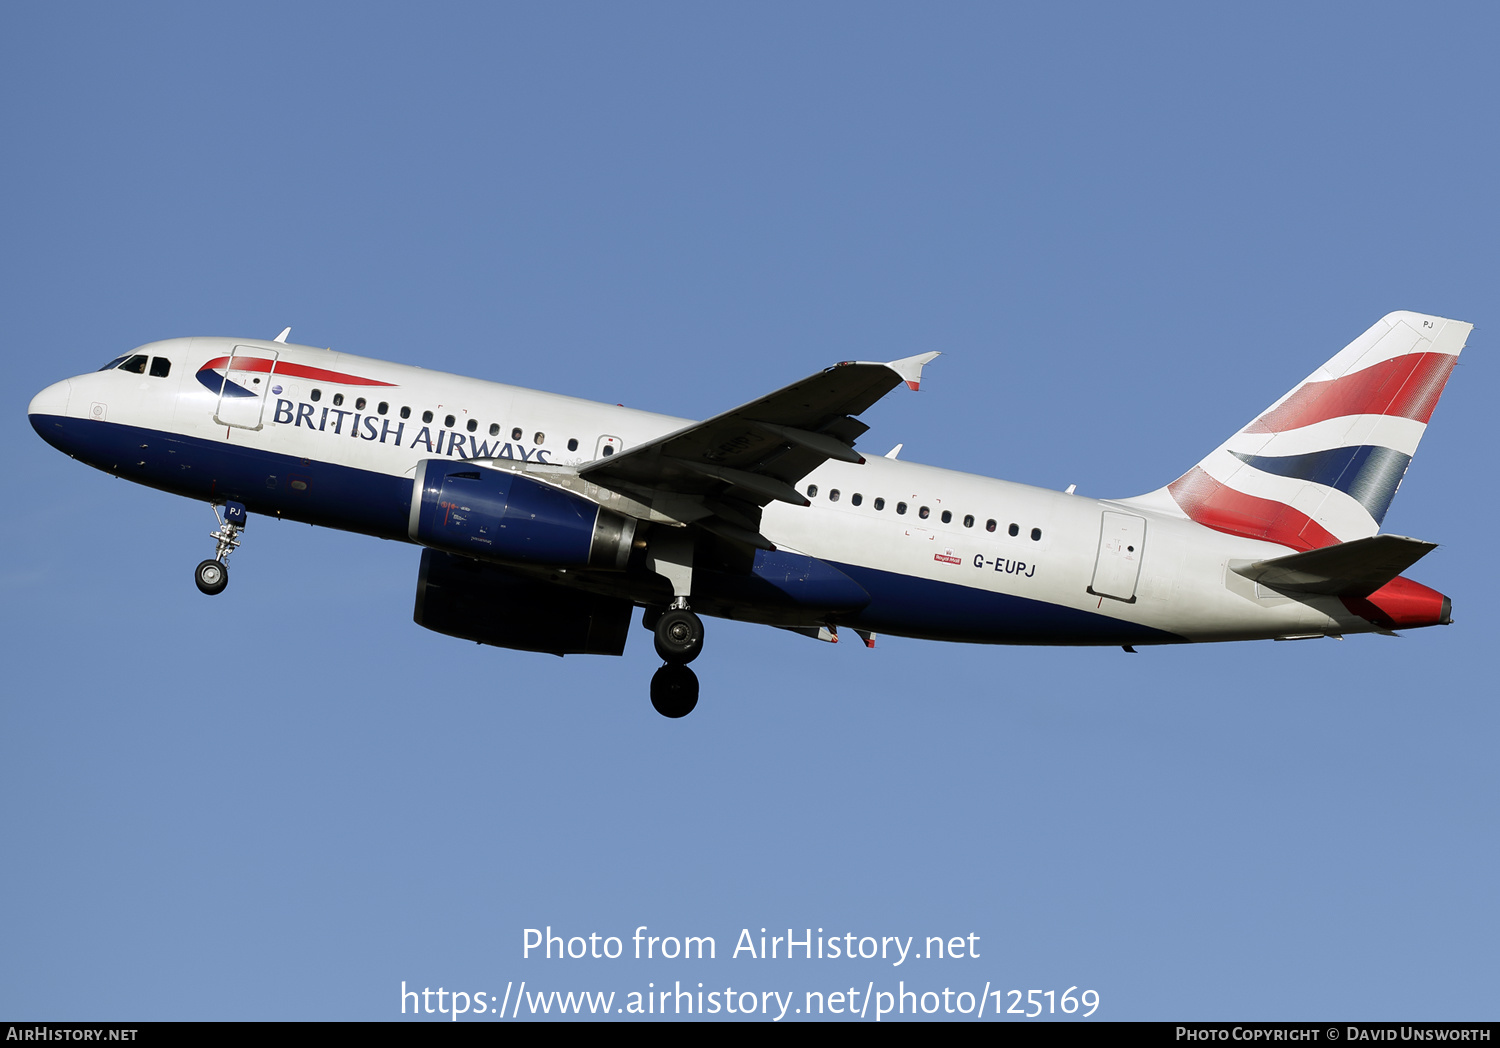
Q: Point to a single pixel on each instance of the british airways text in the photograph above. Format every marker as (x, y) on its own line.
(372, 427)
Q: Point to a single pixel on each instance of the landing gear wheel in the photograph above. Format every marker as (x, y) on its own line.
(679, 636)
(674, 691)
(211, 577)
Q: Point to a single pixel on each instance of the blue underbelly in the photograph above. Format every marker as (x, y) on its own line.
(916, 607)
(266, 482)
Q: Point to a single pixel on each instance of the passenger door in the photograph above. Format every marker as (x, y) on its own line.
(245, 387)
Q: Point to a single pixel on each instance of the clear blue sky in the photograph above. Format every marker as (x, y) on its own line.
(1127, 229)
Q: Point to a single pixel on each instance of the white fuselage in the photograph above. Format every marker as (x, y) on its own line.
(890, 517)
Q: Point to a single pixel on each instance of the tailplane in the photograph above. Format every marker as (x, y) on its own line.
(1322, 464)
(1350, 569)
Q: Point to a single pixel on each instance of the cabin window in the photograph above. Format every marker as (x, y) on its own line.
(947, 516)
(880, 503)
(1036, 534)
(426, 416)
(989, 525)
(539, 438)
(572, 443)
(515, 434)
(1014, 530)
(406, 412)
(968, 520)
(900, 507)
(317, 395)
(833, 494)
(473, 425)
(136, 365)
(609, 449)
(856, 498)
(812, 491)
(449, 421)
(359, 405)
(924, 512)
(338, 400)
(494, 429)
(383, 407)
(161, 367)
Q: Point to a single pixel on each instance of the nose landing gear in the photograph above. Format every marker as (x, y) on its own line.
(212, 576)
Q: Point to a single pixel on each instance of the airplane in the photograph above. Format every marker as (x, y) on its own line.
(545, 520)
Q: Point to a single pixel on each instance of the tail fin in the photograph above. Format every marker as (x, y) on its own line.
(1321, 465)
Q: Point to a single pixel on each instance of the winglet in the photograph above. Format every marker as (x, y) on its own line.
(910, 368)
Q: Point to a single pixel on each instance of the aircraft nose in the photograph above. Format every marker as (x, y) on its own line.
(51, 401)
(46, 408)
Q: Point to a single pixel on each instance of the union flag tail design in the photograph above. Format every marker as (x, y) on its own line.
(1321, 465)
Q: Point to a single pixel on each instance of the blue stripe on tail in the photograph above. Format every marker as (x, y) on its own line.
(1368, 473)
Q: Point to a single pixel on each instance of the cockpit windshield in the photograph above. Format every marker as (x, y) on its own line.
(136, 364)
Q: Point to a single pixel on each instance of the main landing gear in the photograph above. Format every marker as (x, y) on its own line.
(679, 640)
(213, 575)
(679, 636)
(674, 691)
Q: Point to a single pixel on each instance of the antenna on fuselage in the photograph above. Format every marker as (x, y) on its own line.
(895, 451)
(282, 337)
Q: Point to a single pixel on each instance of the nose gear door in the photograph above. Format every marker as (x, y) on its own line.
(245, 387)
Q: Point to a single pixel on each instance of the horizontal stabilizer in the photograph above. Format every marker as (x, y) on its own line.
(1349, 569)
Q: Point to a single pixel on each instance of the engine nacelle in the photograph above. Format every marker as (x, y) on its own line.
(493, 514)
(485, 603)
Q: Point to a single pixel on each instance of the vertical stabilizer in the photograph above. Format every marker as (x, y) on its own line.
(1321, 465)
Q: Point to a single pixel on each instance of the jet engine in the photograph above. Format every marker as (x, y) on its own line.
(493, 514)
(485, 603)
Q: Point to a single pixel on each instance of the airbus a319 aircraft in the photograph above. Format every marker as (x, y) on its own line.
(545, 520)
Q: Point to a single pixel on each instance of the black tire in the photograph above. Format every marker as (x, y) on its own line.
(679, 637)
(674, 691)
(211, 577)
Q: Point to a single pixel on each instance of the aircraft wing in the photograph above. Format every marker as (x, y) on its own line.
(719, 473)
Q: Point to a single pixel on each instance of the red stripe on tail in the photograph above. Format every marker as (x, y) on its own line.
(1218, 506)
(1406, 386)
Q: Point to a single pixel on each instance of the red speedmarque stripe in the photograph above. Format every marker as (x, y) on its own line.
(1218, 506)
(293, 370)
(1407, 386)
